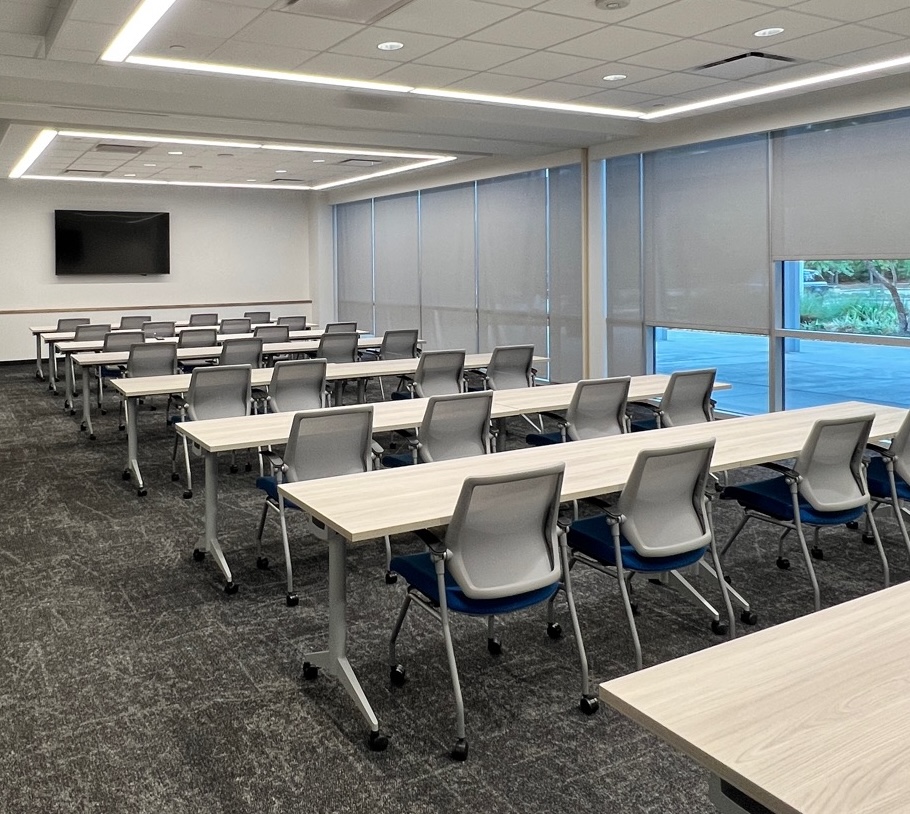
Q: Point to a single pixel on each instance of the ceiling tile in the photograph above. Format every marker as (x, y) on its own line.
(81, 36)
(473, 56)
(516, 3)
(253, 55)
(260, 4)
(897, 22)
(683, 55)
(586, 10)
(595, 76)
(614, 42)
(789, 73)
(531, 29)
(864, 56)
(113, 12)
(25, 18)
(70, 55)
(547, 65)
(454, 18)
(695, 16)
(555, 92)
(363, 44)
(671, 84)
(620, 98)
(425, 76)
(850, 11)
(296, 31)
(176, 45)
(206, 18)
(493, 83)
(346, 66)
(742, 35)
(831, 43)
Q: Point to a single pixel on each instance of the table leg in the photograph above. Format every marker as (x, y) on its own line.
(39, 373)
(335, 660)
(728, 799)
(212, 546)
(52, 366)
(131, 408)
(68, 400)
(86, 404)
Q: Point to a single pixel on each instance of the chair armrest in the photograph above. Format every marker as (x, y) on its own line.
(377, 449)
(432, 541)
(647, 405)
(273, 459)
(885, 452)
(558, 417)
(786, 471)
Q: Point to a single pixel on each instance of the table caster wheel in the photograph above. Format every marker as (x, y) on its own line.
(869, 539)
(748, 617)
(92, 437)
(72, 411)
(853, 524)
(187, 494)
(175, 476)
(262, 563)
(310, 672)
(378, 741)
(248, 467)
(292, 600)
(817, 553)
(104, 412)
(121, 427)
(231, 588)
(390, 578)
(588, 704)
(142, 492)
(494, 647)
(82, 427)
(459, 750)
(233, 469)
(198, 554)
(125, 474)
(783, 563)
(718, 627)
(397, 675)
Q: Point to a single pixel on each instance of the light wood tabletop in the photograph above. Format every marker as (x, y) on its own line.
(809, 717)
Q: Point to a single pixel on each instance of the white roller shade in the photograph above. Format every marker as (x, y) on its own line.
(565, 247)
(395, 263)
(354, 262)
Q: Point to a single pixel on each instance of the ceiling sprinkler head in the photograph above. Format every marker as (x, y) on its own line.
(611, 5)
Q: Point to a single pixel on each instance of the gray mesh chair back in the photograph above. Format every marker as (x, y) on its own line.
(198, 338)
(297, 385)
(258, 316)
(133, 323)
(204, 319)
(663, 503)
(341, 327)
(326, 443)
(273, 333)
(154, 330)
(152, 359)
(337, 347)
(71, 323)
(510, 367)
(240, 325)
(241, 351)
(503, 535)
(399, 344)
(122, 340)
(830, 464)
(900, 449)
(687, 399)
(456, 426)
(439, 373)
(598, 408)
(219, 392)
(294, 323)
(91, 333)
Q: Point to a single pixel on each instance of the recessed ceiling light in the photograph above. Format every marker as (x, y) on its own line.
(143, 20)
(280, 170)
(768, 32)
(319, 161)
(149, 165)
(129, 175)
(251, 180)
(614, 77)
(176, 47)
(225, 155)
(195, 166)
(175, 152)
(390, 46)
(611, 5)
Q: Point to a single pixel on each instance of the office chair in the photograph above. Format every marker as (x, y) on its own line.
(159, 329)
(258, 316)
(149, 359)
(686, 400)
(294, 323)
(503, 551)
(133, 323)
(510, 366)
(399, 344)
(207, 320)
(597, 410)
(660, 525)
(321, 444)
(296, 385)
(438, 373)
(235, 326)
(825, 487)
(337, 348)
(245, 350)
(888, 477)
(272, 333)
(222, 391)
(196, 338)
(340, 327)
(87, 332)
(115, 341)
(68, 324)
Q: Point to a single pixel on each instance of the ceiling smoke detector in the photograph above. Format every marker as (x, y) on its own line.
(611, 5)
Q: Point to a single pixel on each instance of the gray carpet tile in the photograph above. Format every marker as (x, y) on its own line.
(129, 681)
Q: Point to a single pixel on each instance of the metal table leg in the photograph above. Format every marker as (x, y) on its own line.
(131, 408)
(69, 398)
(39, 373)
(86, 404)
(52, 366)
(210, 538)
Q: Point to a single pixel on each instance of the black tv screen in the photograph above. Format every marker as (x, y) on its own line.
(90, 242)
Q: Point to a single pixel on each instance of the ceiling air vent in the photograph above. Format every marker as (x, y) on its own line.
(355, 11)
(745, 65)
(359, 162)
(120, 149)
(85, 172)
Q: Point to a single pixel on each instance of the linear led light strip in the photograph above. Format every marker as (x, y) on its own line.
(45, 137)
(151, 11)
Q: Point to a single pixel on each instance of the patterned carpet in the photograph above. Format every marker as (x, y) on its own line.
(131, 682)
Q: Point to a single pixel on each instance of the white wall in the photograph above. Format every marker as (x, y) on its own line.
(227, 246)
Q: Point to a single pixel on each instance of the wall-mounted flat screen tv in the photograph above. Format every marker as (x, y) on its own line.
(93, 242)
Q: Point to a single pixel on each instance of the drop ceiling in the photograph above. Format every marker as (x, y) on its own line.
(527, 51)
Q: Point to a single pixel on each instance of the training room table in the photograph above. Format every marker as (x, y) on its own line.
(367, 506)
(147, 386)
(808, 717)
(231, 434)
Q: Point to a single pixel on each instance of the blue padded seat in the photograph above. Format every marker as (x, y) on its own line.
(419, 571)
(392, 461)
(644, 424)
(269, 485)
(880, 485)
(399, 395)
(543, 439)
(592, 536)
(772, 497)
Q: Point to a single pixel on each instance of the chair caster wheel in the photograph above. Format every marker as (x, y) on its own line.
(748, 617)
(72, 412)
(262, 563)
(142, 492)
(853, 524)
(459, 750)
(104, 412)
(122, 427)
(390, 578)
(397, 675)
(82, 427)
(494, 647)
(718, 627)
(198, 554)
(92, 437)
(869, 539)
(153, 408)
(817, 553)
(248, 467)
(233, 469)
(187, 494)
(634, 607)
(292, 600)
(588, 704)
(125, 474)
(727, 579)
(231, 588)
(310, 673)
(175, 476)
(783, 563)
(554, 630)
(378, 741)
